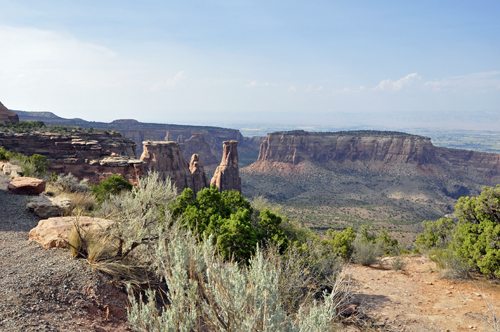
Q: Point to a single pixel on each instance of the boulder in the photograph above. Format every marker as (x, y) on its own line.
(54, 232)
(46, 207)
(227, 176)
(200, 180)
(9, 169)
(26, 186)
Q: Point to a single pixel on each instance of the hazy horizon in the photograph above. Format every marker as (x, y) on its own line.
(348, 63)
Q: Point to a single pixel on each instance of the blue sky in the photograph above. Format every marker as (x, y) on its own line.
(223, 62)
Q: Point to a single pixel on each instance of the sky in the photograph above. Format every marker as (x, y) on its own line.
(251, 62)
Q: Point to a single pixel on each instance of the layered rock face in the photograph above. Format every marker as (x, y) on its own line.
(200, 180)
(198, 145)
(86, 155)
(227, 175)
(167, 159)
(7, 116)
(390, 152)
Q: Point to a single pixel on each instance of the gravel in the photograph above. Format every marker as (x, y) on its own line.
(45, 289)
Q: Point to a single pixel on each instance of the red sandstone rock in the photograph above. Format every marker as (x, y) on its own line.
(7, 116)
(388, 152)
(200, 180)
(26, 186)
(54, 232)
(227, 175)
(167, 159)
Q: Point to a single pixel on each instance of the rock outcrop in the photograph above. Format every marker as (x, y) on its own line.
(7, 116)
(26, 186)
(169, 137)
(200, 180)
(12, 170)
(47, 207)
(167, 159)
(84, 154)
(375, 151)
(198, 145)
(227, 175)
(54, 232)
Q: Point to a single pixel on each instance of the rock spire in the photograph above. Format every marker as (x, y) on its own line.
(200, 180)
(227, 175)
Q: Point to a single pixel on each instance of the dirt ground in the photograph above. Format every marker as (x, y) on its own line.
(417, 299)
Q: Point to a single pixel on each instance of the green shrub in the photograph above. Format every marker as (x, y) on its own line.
(366, 253)
(477, 237)
(227, 216)
(3, 154)
(436, 234)
(390, 246)
(111, 186)
(341, 242)
(450, 264)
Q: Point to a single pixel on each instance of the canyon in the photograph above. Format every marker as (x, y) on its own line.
(340, 179)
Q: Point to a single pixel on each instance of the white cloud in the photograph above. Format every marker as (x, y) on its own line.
(255, 83)
(475, 82)
(292, 89)
(390, 85)
(311, 88)
(171, 82)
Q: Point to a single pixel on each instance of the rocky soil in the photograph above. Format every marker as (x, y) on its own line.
(417, 299)
(45, 289)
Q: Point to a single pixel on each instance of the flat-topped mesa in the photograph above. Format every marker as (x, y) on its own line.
(167, 159)
(227, 176)
(200, 180)
(7, 116)
(199, 145)
(377, 151)
(365, 146)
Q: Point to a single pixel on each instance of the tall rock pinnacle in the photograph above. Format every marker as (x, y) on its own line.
(200, 180)
(227, 176)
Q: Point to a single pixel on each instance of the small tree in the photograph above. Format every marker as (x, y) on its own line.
(111, 186)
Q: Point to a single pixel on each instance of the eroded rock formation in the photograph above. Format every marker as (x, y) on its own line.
(227, 175)
(200, 180)
(389, 152)
(169, 137)
(167, 159)
(197, 144)
(7, 116)
(85, 155)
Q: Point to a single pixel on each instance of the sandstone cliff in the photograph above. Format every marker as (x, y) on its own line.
(7, 116)
(389, 152)
(197, 144)
(93, 155)
(200, 180)
(227, 175)
(167, 159)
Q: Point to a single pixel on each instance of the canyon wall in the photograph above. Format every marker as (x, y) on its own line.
(197, 144)
(371, 151)
(93, 155)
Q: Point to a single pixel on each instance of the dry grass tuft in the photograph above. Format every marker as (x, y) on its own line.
(82, 203)
(101, 249)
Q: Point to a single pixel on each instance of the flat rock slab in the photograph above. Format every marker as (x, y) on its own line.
(26, 186)
(47, 207)
(54, 232)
